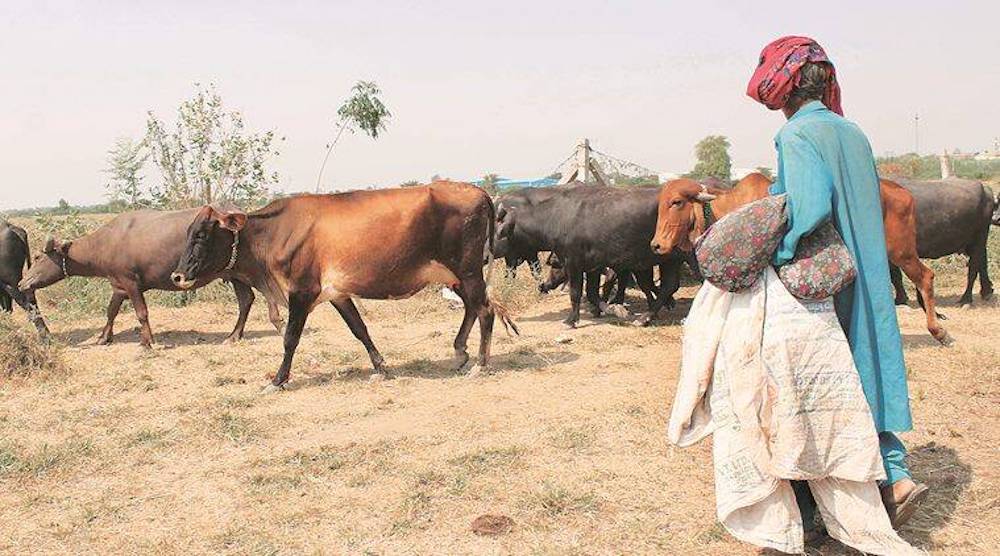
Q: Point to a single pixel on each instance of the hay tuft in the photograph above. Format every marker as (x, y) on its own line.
(24, 354)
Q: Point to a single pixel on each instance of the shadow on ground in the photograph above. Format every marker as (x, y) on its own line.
(521, 359)
(82, 337)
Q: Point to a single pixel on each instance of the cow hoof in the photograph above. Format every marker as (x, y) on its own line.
(477, 371)
(945, 338)
(272, 389)
(459, 361)
(231, 340)
(569, 325)
(102, 341)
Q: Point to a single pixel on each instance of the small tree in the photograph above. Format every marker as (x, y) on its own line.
(209, 154)
(363, 110)
(125, 161)
(489, 184)
(410, 183)
(713, 159)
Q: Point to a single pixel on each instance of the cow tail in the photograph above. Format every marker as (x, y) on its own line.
(502, 312)
(20, 233)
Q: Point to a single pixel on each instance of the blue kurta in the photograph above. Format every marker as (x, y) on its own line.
(826, 167)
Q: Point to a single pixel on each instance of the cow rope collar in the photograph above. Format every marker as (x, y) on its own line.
(232, 257)
(65, 273)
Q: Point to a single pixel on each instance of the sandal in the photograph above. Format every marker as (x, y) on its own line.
(901, 512)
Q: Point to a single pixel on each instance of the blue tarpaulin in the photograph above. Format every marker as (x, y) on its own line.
(505, 183)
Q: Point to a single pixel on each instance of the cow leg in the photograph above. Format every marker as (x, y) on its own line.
(897, 284)
(244, 297)
(985, 285)
(299, 306)
(115, 305)
(474, 288)
(142, 313)
(349, 312)
(592, 288)
(535, 266)
(923, 278)
(6, 304)
(27, 302)
(611, 279)
(575, 278)
(511, 267)
(645, 282)
(972, 270)
(462, 338)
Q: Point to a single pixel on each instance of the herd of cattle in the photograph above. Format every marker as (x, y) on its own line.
(305, 250)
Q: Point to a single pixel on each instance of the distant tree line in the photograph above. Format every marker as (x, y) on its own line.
(928, 167)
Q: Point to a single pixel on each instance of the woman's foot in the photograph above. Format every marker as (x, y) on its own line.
(901, 500)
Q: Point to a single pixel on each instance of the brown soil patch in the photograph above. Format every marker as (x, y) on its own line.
(173, 451)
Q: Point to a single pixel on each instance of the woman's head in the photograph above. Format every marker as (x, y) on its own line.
(813, 81)
(793, 71)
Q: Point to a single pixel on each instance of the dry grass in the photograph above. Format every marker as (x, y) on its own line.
(23, 353)
(174, 451)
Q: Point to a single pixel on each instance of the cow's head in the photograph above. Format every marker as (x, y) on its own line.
(678, 205)
(504, 231)
(557, 274)
(211, 240)
(48, 267)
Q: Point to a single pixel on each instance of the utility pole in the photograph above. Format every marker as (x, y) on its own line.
(587, 170)
(916, 134)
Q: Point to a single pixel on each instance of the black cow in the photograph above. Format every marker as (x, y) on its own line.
(953, 216)
(14, 258)
(517, 252)
(591, 228)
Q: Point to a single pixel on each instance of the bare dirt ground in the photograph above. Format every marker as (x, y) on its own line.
(174, 451)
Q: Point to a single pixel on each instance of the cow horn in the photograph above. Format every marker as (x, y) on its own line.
(705, 197)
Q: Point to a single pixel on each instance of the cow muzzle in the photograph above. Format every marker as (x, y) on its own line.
(659, 247)
(181, 281)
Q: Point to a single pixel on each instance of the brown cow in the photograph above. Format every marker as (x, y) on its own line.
(136, 252)
(383, 244)
(681, 218)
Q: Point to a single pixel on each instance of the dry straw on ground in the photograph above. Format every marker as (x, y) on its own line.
(173, 451)
(23, 353)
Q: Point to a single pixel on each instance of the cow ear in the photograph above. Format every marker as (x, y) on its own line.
(233, 221)
(64, 247)
(50, 245)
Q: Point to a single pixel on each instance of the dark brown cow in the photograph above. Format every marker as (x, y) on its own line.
(136, 252)
(681, 218)
(384, 244)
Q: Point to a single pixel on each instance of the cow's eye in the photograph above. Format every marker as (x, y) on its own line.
(677, 203)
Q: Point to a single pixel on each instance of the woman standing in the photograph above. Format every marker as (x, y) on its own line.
(827, 169)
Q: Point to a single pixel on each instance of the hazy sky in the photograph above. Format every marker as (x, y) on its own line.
(474, 87)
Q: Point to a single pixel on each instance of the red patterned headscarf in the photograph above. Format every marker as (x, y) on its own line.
(778, 72)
